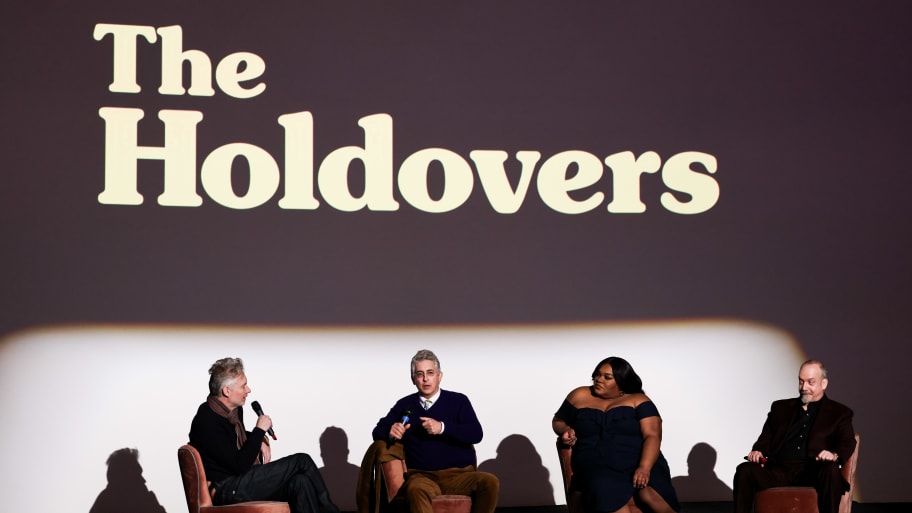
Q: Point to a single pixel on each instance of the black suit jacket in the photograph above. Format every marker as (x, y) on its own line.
(832, 429)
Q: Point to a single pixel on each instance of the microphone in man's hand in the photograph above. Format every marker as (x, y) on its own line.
(406, 417)
(259, 411)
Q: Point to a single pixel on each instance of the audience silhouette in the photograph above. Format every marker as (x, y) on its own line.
(701, 483)
(126, 490)
(340, 476)
(524, 481)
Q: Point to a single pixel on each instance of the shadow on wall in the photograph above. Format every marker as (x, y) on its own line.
(126, 490)
(701, 482)
(340, 476)
(524, 481)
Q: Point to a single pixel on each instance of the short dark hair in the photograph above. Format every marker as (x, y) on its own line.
(627, 379)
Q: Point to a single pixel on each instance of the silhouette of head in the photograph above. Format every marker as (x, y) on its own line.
(518, 448)
(124, 468)
(702, 459)
(334, 445)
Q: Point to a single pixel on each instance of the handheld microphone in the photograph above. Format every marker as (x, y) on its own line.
(259, 411)
(406, 417)
(763, 459)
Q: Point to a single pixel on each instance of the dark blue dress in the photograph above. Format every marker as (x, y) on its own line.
(607, 452)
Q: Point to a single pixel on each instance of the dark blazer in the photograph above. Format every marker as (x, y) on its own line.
(832, 429)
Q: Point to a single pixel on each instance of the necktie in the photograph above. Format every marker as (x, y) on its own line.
(427, 404)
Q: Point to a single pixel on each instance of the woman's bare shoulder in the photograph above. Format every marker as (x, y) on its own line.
(638, 399)
(578, 395)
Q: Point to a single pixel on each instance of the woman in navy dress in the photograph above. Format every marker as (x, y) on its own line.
(615, 431)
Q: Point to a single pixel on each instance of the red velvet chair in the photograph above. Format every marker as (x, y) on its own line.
(575, 503)
(394, 475)
(196, 489)
(803, 499)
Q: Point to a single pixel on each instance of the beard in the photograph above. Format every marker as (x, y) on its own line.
(805, 398)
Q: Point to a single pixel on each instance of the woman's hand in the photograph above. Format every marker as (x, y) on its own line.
(569, 437)
(640, 478)
(566, 433)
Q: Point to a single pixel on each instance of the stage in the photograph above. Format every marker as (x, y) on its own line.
(726, 507)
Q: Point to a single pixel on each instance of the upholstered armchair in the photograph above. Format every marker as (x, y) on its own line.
(803, 499)
(394, 476)
(196, 488)
(383, 473)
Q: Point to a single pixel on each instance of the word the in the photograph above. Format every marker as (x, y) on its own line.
(563, 181)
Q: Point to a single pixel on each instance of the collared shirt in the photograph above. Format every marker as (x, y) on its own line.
(796, 439)
(433, 399)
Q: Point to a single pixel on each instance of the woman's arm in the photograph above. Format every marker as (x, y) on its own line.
(567, 411)
(566, 433)
(651, 428)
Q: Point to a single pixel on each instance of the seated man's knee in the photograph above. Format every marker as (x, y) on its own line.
(747, 471)
(744, 467)
(487, 482)
(417, 487)
(303, 461)
(298, 482)
(829, 471)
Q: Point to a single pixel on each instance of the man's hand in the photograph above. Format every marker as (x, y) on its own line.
(264, 422)
(432, 426)
(398, 430)
(756, 457)
(826, 455)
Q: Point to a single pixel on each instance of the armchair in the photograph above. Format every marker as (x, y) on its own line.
(383, 473)
(196, 488)
(803, 499)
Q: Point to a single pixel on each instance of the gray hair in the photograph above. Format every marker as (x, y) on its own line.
(224, 373)
(420, 356)
(823, 371)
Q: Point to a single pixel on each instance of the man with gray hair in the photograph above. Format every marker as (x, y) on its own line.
(237, 461)
(437, 429)
(803, 442)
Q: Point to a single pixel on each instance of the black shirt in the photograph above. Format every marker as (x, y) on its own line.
(795, 446)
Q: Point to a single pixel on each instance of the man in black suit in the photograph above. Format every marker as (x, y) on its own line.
(803, 442)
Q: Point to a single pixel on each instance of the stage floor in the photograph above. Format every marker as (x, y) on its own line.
(726, 507)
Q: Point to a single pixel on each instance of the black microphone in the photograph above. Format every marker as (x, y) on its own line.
(259, 411)
(406, 417)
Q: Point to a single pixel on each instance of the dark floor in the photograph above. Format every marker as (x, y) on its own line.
(726, 507)
(857, 507)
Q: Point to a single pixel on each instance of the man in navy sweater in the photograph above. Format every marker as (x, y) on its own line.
(438, 430)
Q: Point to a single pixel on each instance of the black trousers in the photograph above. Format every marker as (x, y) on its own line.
(294, 479)
(824, 476)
